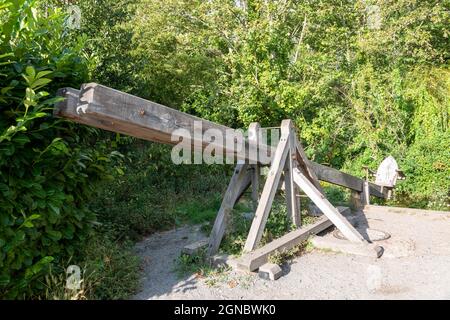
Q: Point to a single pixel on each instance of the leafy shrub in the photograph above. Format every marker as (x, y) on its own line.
(48, 168)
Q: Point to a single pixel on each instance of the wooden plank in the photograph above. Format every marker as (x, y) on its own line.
(254, 139)
(291, 190)
(346, 180)
(234, 191)
(401, 210)
(116, 111)
(267, 195)
(246, 182)
(327, 208)
(254, 259)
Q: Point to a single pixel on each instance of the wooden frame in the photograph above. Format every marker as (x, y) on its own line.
(300, 173)
(112, 110)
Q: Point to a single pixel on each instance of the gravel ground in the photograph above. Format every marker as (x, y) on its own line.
(415, 265)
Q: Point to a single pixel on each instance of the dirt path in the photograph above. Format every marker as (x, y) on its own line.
(416, 265)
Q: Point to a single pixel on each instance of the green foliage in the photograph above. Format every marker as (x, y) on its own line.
(283, 256)
(48, 168)
(189, 264)
(109, 49)
(109, 270)
(357, 91)
(153, 194)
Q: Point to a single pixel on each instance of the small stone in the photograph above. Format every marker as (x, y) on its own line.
(220, 260)
(270, 271)
(195, 247)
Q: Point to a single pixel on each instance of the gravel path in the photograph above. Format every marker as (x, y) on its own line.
(416, 265)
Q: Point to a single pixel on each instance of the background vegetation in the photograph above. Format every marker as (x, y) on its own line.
(360, 83)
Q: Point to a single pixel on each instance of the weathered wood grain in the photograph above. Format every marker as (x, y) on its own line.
(291, 189)
(268, 194)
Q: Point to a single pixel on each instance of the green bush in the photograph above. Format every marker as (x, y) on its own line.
(48, 168)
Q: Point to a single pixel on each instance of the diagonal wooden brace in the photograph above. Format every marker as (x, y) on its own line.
(268, 193)
(238, 184)
(327, 208)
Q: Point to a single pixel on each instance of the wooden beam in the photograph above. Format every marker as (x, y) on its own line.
(254, 259)
(116, 111)
(346, 180)
(327, 208)
(254, 135)
(356, 201)
(268, 194)
(67, 108)
(239, 181)
(291, 189)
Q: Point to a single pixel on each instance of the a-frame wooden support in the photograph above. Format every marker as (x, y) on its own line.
(289, 160)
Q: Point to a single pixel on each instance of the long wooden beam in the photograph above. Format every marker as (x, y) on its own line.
(116, 111)
(256, 258)
(346, 180)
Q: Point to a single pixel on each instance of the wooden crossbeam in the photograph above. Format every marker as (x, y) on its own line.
(346, 180)
(116, 111)
(256, 258)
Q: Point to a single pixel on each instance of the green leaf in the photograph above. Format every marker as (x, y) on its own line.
(40, 83)
(30, 71)
(9, 54)
(43, 74)
(21, 139)
(54, 208)
(4, 280)
(54, 235)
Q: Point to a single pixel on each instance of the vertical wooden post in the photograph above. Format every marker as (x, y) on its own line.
(291, 189)
(356, 200)
(366, 193)
(254, 135)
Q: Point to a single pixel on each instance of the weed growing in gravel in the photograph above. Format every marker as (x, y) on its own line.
(280, 257)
